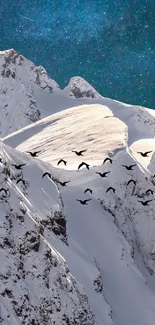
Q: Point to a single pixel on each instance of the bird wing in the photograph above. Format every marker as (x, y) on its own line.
(80, 165)
(22, 165)
(148, 201)
(81, 151)
(87, 200)
(148, 152)
(106, 159)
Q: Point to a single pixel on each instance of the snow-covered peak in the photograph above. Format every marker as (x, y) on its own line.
(80, 88)
(20, 79)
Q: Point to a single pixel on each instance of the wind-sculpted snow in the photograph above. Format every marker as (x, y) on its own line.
(89, 126)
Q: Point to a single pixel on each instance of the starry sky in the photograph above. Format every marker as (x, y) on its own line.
(110, 43)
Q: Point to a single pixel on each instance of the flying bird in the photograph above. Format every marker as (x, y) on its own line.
(18, 166)
(79, 153)
(107, 159)
(103, 174)
(21, 180)
(145, 202)
(129, 167)
(149, 191)
(83, 202)
(3, 189)
(88, 190)
(110, 188)
(63, 183)
(34, 154)
(84, 164)
(62, 160)
(48, 174)
(144, 154)
(132, 181)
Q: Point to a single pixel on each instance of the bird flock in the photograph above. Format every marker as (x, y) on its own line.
(102, 175)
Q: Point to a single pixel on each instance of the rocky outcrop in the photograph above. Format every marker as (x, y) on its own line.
(80, 88)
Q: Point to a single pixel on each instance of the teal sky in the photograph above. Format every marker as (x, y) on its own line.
(109, 43)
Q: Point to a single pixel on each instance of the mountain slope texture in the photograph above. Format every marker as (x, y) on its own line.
(77, 223)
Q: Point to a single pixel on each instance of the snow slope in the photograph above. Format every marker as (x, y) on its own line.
(36, 286)
(110, 243)
(88, 126)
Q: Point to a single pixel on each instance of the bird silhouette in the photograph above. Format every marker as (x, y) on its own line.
(21, 180)
(63, 183)
(110, 188)
(1, 160)
(103, 174)
(84, 164)
(3, 189)
(48, 174)
(79, 153)
(18, 166)
(149, 191)
(88, 190)
(129, 167)
(34, 154)
(83, 202)
(62, 160)
(144, 154)
(132, 181)
(145, 202)
(107, 159)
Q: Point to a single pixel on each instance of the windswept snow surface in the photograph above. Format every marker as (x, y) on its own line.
(91, 127)
(68, 263)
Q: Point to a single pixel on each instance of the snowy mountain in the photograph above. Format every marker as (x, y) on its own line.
(77, 244)
(20, 80)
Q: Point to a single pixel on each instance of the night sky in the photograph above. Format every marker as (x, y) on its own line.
(111, 43)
